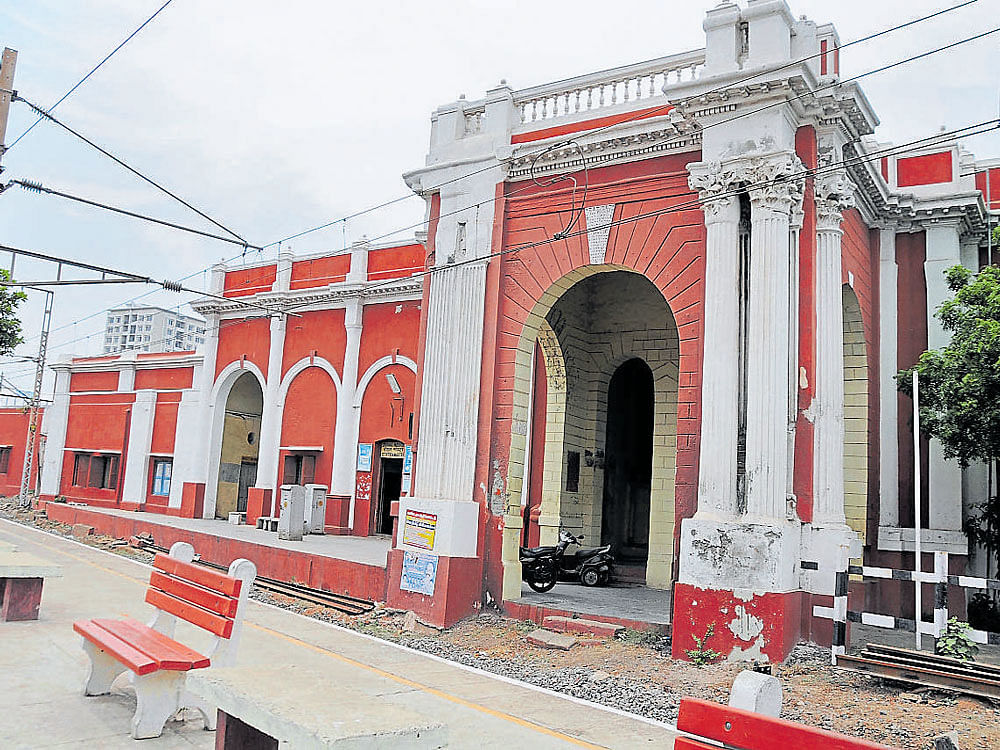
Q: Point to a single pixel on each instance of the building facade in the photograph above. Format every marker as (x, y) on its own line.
(151, 329)
(687, 350)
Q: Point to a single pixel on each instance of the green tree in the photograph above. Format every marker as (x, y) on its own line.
(10, 324)
(960, 386)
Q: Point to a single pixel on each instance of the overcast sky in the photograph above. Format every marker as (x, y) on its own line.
(275, 117)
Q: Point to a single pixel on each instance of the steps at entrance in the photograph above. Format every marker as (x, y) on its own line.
(548, 639)
(581, 625)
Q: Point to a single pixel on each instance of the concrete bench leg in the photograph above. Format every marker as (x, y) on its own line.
(208, 711)
(103, 670)
(158, 697)
(20, 598)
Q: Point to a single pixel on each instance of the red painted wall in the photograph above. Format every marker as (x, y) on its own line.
(912, 342)
(320, 271)
(93, 381)
(860, 257)
(924, 170)
(98, 422)
(249, 338)
(320, 332)
(244, 281)
(383, 414)
(395, 262)
(165, 423)
(14, 432)
(990, 179)
(165, 379)
(802, 470)
(309, 419)
(389, 328)
(667, 248)
(597, 122)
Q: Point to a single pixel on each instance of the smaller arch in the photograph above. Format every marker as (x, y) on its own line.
(228, 375)
(373, 370)
(304, 364)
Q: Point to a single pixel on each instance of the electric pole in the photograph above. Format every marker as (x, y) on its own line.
(34, 413)
(7, 65)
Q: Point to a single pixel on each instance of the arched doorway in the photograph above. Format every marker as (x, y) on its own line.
(240, 444)
(855, 416)
(628, 463)
(595, 475)
(387, 476)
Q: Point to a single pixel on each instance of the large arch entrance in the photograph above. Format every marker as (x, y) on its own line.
(855, 416)
(240, 444)
(610, 350)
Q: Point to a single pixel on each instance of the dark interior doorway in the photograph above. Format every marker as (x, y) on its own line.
(248, 478)
(389, 479)
(628, 463)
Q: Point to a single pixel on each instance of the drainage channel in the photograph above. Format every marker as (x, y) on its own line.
(349, 605)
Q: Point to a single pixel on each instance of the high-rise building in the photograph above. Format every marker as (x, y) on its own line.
(151, 329)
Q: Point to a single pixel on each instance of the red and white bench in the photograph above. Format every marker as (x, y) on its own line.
(746, 730)
(156, 662)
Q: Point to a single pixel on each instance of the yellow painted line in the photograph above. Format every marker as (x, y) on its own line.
(427, 689)
(375, 670)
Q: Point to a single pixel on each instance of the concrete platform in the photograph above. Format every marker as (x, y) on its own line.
(43, 669)
(635, 607)
(343, 564)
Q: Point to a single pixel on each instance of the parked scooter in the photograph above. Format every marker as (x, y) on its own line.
(543, 567)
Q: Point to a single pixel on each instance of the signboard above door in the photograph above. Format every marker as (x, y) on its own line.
(393, 451)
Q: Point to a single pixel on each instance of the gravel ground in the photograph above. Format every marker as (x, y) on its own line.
(635, 673)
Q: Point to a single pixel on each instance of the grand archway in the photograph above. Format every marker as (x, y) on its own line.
(611, 354)
(855, 416)
(238, 451)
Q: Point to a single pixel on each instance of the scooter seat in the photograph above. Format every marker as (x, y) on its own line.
(583, 554)
(536, 551)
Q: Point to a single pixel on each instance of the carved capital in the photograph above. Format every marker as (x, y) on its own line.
(834, 195)
(775, 181)
(713, 184)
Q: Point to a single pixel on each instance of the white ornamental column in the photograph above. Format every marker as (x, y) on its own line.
(140, 437)
(270, 421)
(834, 193)
(771, 204)
(888, 366)
(345, 441)
(943, 251)
(720, 379)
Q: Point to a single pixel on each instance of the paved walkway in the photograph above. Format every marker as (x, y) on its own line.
(42, 668)
(623, 602)
(370, 550)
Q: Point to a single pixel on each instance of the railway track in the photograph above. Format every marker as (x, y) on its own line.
(348, 605)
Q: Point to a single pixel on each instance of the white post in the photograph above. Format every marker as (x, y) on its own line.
(888, 364)
(916, 503)
(270, 423)
(346, 431)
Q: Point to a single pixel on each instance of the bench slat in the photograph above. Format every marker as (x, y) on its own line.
(165, 650)
(130, 657)
(752, 731)
(204, 598)
(209, 621)
(210, 579)
(686, 743)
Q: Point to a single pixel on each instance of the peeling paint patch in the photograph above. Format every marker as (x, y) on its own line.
(745, 626)
(754, 653)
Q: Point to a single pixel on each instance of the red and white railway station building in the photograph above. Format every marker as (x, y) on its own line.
(688, 350)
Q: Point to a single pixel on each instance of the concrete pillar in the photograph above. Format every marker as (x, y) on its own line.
(833, 193)
(888, 366)
(55, 422)
(187, 461)
(358, 273)
(720, 384)
(140, 437)
(945, 480)
(200, 424)
(345, 443)
(767, 368)
(270, 422)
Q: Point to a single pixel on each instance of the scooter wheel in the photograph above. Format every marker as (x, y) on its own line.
(590, 577)
(542, 586)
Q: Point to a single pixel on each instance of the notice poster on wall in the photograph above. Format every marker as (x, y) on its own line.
(419, 529)
(419, 573)
(364, 456)
(408, 461)
(407, 482)
(363, 488)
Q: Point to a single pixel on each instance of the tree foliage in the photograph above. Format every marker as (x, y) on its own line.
(960, 384)
(10, 324)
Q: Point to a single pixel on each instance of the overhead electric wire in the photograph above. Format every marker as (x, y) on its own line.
(37, 187)
(93, 70)
(48, 116)
(644, 115)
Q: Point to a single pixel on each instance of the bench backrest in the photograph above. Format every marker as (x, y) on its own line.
(201, 596)
(747, 730)
(206, 598)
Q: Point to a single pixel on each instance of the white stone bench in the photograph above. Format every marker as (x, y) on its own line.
(304, 708)
(21, 578)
